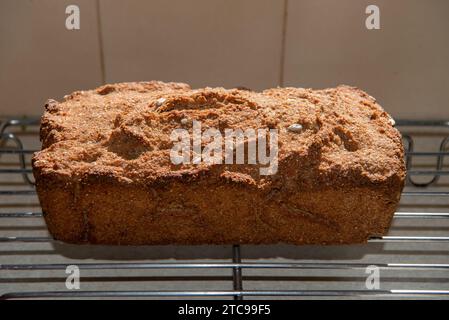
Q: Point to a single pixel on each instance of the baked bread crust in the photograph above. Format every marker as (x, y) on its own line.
(104, 174)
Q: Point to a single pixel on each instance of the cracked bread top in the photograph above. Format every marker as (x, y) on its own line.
(122, 131)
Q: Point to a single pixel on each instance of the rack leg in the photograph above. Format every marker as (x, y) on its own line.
(237, 272)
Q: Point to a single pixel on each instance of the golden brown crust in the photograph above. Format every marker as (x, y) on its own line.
(105, 176)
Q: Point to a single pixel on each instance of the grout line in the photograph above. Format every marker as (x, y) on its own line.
(283, 43)
(100, 43)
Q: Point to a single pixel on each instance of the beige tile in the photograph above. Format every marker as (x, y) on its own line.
(404, 65)
(202, 42)
(40, 58)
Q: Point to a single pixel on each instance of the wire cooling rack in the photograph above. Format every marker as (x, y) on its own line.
(413, 259)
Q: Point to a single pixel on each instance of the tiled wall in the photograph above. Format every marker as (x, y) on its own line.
(251, 43)
(40, 58)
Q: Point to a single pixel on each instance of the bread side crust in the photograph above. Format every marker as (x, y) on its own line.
(102, 210)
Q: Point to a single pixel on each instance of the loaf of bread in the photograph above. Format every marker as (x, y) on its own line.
(106, 173)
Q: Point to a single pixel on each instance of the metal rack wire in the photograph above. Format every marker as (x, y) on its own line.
(12, 145)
